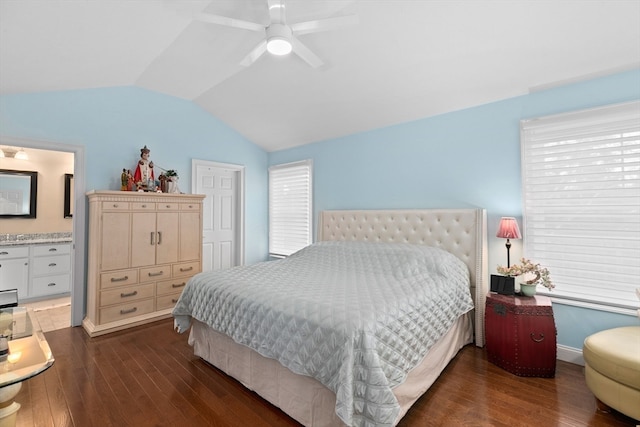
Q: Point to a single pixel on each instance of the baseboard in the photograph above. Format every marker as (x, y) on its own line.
(570, 354)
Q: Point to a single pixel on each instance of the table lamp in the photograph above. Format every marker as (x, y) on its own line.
(508, 229)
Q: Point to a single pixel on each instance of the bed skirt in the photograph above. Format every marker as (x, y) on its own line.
(303, 398)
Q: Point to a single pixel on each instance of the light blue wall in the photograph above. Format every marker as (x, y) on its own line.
(465, 158)
(114, 123)
(462, 159)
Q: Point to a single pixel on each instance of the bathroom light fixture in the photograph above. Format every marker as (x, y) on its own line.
(22, 155)
(9, 152)
(12, 153)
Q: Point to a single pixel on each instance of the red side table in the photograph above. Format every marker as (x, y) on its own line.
(521, 334)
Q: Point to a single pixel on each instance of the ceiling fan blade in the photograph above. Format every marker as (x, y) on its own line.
(323, 24)
(303, 52)
(256, 53)
(229, 22)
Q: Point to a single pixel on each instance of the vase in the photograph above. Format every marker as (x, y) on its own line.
(172, 186)
(527, 290)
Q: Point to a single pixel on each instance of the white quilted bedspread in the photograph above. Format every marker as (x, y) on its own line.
(356, 316)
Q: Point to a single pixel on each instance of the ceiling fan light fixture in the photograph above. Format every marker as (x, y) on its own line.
(279, 46)
(279, 39)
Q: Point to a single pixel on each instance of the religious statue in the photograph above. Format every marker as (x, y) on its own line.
(143, 175)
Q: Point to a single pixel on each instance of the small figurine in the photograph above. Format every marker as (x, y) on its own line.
(124, 180)
(130, 180)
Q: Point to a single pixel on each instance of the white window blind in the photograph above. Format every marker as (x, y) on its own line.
(290, 214)
(581, 194)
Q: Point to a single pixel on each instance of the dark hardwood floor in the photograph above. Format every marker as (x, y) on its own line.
(148, 376)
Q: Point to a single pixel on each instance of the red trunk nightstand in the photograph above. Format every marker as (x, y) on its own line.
(521, 334)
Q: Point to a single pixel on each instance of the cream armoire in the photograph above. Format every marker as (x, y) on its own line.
(143, 248)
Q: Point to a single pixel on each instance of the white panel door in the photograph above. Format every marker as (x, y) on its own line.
(219, 217)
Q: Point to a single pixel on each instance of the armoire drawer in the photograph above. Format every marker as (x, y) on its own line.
(171, 286)
(124, 311)
(186, 269)
(126, 294)
(118, 278)
(157, 272)
(115, 206)
(166, 301)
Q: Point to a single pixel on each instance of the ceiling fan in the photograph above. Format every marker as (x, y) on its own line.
(280, 37)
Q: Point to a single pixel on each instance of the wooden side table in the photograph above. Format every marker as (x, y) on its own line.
(521, 334)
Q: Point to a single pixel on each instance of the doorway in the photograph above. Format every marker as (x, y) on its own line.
(78, 243)
(223, 212)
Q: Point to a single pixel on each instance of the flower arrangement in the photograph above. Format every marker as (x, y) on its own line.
(171, 174)
(534, 273)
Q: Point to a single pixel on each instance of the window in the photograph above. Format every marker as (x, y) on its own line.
(290, 211)
(581, 194)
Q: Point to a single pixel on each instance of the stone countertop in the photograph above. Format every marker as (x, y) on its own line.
(34, 238)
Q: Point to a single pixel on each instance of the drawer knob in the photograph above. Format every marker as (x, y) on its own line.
(178, 285)
(533, 337)
(130, 294)
(53, 264)
(51, 284)
(119, 279)
(52, 249)
(186, 269)
(174, 300)
(159, 273)
(4, 253)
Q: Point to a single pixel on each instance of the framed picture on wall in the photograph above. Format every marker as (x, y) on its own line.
(68, 195)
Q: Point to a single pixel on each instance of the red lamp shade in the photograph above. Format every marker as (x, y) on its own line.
(508, 228)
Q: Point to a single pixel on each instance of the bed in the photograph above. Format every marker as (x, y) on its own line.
(319, 358)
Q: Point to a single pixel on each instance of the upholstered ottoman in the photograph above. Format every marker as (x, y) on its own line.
(612, 369)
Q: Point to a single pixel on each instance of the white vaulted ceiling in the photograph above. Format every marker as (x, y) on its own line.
(402, 61)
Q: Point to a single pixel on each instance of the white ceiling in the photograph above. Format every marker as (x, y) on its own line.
(404, 60)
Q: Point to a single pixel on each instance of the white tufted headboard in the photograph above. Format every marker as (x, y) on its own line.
(463, 232)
